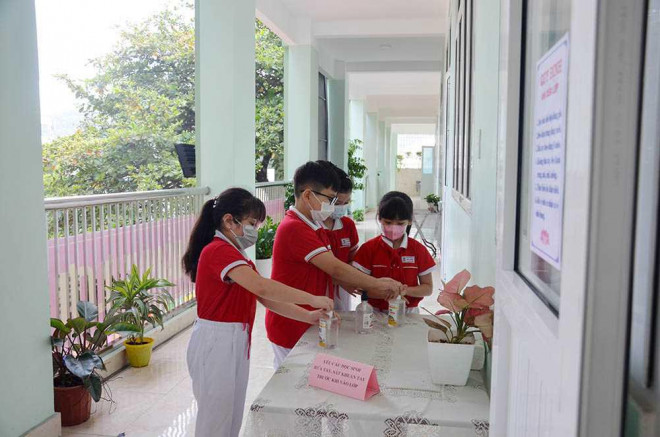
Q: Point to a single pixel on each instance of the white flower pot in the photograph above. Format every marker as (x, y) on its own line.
(264, 267)
(449, 363)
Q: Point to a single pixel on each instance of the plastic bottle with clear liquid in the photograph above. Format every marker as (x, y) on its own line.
(329, 330)
(397, 312)
(364, 316)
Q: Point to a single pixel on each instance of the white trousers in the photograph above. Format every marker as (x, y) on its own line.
(280, 354)
(219, 368)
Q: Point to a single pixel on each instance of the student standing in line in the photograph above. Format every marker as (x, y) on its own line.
(227, 289)
(342, 233)
(302, 256)
(394, 255)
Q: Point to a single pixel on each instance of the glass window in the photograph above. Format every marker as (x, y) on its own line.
(546, 22)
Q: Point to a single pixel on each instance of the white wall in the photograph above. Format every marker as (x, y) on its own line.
(26, 396)
(469, 235)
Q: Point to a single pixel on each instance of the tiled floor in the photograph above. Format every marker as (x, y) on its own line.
(157, 401)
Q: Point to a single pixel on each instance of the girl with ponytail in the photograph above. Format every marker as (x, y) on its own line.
(227, 289)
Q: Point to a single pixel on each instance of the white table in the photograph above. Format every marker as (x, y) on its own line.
(409, 403)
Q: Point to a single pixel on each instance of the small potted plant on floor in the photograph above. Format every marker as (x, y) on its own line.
(451, 342)
(264, 247)
(139, 300)
(433, 202)
(75, 347)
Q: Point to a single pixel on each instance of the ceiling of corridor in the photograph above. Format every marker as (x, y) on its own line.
(326, 10)
(391, 50)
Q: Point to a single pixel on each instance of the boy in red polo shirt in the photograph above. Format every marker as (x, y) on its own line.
(302, 255)
(394, 255)
(342, 233)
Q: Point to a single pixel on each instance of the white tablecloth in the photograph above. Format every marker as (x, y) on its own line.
(409, 403)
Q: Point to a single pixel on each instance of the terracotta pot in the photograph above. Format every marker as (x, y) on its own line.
(73, 403)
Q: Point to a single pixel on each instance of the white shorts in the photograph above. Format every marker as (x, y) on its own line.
(219, 368)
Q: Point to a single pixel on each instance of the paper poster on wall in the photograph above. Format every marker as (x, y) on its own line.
(549, 141)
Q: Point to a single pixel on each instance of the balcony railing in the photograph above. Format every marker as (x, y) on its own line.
(93, 239)
(272, 194)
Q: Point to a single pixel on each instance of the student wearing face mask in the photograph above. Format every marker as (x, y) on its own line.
(227, 287)
(302, 254)
(393, 255)
(342, 233)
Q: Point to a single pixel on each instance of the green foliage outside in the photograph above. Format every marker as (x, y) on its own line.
(141, 101)
(266, 239)
(356, 167)
(289, 196)
(358, 215)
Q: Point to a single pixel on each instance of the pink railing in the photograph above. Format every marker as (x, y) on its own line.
(93, 239)
(272, 194)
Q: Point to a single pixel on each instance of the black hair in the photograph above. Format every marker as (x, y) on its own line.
(317, 175)
(406, 198)
(395, 207)
(345, 182)
(240, 203)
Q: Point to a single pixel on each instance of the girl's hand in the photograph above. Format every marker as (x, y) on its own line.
(322, 302)
(314, 316)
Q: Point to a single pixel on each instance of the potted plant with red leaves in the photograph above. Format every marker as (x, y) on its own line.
(451, 338)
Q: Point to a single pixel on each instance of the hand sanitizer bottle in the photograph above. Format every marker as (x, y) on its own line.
(364, 316)
(397, 312)
(329, 330)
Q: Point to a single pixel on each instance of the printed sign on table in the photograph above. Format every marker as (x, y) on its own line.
(344, 377)
(548, 153)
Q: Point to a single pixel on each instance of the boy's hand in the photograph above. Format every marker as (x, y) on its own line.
(389, 287)
(322, 302)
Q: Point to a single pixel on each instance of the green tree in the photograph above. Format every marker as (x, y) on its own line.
(269, 81)
(141, 101)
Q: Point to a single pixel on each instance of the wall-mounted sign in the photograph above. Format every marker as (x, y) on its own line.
(547, 191)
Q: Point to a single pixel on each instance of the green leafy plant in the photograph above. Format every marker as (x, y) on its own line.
(75, 347)
(266, 239)
(289, 196)
(432, 199)
(469, 309)
(358, 215)
(139, 300)
(356, 167)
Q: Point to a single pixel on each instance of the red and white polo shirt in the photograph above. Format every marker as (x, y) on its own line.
(344, 239)
(219, 299)
(378, 258)
(297, 241)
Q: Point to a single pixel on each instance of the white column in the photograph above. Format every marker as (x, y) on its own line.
(356, 132)
(371, 158)
(225, 97)
(336, 115)
(387, 165)
(394, 143)
(27, 384)
(301, 111)
(381, 160)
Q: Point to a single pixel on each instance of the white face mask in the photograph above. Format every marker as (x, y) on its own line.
(249, 237)
(321, 215)
(340, 211)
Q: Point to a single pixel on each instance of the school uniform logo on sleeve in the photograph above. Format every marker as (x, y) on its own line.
(345, 242)
(408, 259)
